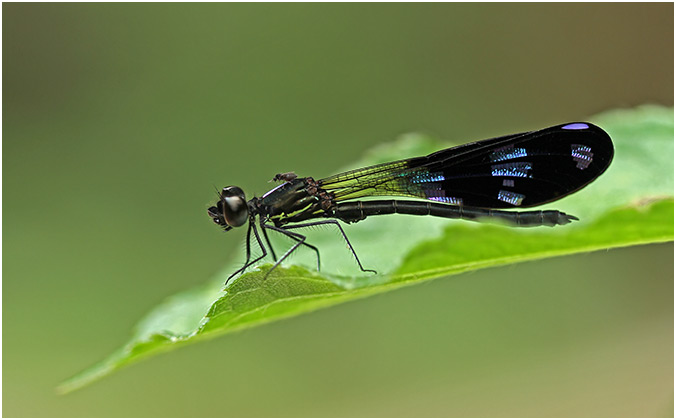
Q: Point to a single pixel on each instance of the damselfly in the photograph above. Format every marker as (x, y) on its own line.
(474, 181)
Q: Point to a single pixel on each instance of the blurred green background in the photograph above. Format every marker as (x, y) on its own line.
(120, 119)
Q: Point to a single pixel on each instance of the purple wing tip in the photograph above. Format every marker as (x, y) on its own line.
(575, 126)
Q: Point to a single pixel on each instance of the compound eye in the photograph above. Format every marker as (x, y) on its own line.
(235, 210)
(232, 192)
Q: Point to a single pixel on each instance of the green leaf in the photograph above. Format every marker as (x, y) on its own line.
(631, 204)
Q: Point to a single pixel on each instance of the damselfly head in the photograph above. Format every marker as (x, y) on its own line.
(231, 210)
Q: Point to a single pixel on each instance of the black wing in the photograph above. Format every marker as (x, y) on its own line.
(518, 170)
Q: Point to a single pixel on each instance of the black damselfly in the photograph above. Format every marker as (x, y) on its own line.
(473, 181)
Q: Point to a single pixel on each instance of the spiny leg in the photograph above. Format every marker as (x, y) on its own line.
(265, 235)
(301, 241)
(298, 238)
(334, 222)
(248, 251)
(248, 264)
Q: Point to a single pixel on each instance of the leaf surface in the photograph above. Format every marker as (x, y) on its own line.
(631, 204)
